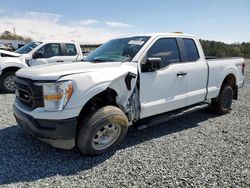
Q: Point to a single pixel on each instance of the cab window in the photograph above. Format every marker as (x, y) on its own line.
(70, 50)
(191, 49)
(166, 49)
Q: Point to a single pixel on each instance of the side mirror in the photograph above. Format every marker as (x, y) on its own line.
(152, 64)
(37, 55)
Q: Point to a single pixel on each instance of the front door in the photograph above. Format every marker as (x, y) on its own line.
(164, 89)
(49, 53)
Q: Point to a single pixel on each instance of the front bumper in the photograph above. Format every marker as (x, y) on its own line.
(58, 133)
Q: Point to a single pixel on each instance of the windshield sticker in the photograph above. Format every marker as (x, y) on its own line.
(136, 42)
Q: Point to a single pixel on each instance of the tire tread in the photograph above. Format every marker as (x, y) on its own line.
(93, 121)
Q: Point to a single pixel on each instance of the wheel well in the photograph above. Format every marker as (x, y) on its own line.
(104, 98)
(231, 80)
(11, 69)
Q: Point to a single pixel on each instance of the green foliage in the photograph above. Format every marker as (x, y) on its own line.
(9, 36)
(220, 49)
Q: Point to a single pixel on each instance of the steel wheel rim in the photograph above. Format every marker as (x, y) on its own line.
(106, 136)
(9, 83)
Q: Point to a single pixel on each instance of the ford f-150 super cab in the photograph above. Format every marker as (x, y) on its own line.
(35, 53)
(126, 80)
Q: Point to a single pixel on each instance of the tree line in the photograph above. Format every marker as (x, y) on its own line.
(211, 48)
(7, 35)
(221, 49)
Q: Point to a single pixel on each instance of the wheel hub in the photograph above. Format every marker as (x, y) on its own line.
(9, 83)
(106, 136)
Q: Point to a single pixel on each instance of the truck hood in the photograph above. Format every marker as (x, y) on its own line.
(9, 54)
(56, 71)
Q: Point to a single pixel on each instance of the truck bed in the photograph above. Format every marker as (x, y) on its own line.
(216, 72)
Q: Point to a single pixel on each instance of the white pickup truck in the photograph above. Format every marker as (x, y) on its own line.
(127, 80)
(35, 53)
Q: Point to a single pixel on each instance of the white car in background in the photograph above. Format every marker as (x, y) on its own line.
(35, 53)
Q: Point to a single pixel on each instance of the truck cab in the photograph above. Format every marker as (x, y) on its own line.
(126, 80)
(35, 53)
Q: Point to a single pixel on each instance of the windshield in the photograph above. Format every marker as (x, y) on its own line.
(27, 47)
(117, 50)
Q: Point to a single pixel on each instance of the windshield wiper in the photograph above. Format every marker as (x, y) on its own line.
(97, 60)
(126, 59)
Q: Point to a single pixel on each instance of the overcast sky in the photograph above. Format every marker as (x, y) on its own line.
(95, 21)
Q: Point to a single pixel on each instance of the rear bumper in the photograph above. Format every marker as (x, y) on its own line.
(58, 133)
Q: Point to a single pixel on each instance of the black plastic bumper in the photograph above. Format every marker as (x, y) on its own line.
(47, 129)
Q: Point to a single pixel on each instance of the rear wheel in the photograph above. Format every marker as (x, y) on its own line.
(102, 131)
(7, 84)
(222, 104)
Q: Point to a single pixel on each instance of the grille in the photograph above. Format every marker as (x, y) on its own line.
(28, 94)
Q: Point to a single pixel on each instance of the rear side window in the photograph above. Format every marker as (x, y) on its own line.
(167, 49)
(191, 49)
(70, 49)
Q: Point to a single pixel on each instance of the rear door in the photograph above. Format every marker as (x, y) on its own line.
(196, 69)
(164, 89)
(69, 52)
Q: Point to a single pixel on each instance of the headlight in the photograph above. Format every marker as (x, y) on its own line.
(56, 95)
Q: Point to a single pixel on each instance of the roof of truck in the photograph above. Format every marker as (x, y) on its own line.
(174, 34)
(57, 41)
(168, 34)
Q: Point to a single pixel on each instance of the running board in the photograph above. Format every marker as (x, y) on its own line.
(156, 120)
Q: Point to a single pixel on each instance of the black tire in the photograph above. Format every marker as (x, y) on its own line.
(91, 127)
(4, 78)
(222, 104)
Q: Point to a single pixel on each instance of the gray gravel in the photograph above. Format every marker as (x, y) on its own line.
(195, 150)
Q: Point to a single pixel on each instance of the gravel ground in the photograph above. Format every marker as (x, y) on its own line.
(195, 150)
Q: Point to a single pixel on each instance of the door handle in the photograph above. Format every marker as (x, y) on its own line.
(59, 61)
(181, 73)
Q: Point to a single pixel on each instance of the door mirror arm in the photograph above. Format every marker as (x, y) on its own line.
(37, 55)
(152, 64)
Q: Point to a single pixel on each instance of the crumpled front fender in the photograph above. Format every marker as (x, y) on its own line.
(88, 85)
